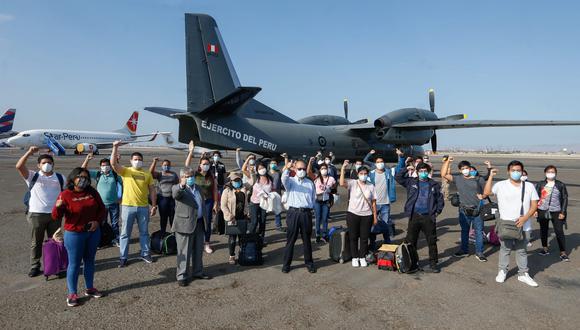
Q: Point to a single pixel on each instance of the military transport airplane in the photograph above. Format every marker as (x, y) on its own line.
(58, 140)
(223, 114)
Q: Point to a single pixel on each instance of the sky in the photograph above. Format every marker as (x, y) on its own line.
(83, 64)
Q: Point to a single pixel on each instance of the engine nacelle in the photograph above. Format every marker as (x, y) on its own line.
(86, 148)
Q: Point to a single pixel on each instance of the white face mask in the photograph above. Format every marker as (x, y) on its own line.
(324, 172)
(301, 174)
(262, 171)
(204, 168)
(46, 167)
(216, 158)
(550, 176)
(327, 161)
(137, 164)
(252, 162)
(320, 162)
(380, 166)
(105, 168)
(362, 177)
(524, 178)
(465, 172)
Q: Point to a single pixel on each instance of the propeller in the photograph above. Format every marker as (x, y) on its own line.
(345, 109)
(432, 106)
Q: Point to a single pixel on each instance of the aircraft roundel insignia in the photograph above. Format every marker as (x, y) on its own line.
(322, 141)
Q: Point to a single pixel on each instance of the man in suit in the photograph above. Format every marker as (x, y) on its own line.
(188, 226)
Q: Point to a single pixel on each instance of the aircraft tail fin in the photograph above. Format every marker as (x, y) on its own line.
(130, 127)
(7, 120)
(211, 76)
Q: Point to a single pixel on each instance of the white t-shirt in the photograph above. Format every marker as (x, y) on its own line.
(381, 189)
(509, 200)
(357, 203)
(44, 193)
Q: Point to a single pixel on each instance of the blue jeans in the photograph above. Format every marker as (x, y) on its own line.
(278, 220)
(465, 222)
(81, 246)
(321, 214)
(128, 215)
(113, 210)
(384, 215)
(207, 217)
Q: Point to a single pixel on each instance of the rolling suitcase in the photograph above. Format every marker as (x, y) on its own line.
(54, 258)
(339, 247)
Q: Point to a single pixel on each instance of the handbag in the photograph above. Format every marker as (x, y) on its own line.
(507, 229)
(381, 226)
(238, 227)
(454, 199)
(489, 210)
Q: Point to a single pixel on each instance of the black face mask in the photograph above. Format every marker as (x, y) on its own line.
(82, 183)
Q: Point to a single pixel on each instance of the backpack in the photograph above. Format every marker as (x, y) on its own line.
(26, 199)
(406, 258)
(250, 250)
(386, 261)
(163, 243)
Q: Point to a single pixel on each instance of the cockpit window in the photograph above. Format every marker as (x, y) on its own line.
(26, 135)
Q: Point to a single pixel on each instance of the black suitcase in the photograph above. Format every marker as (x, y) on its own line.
(163, 243)
(220, 223)
(250, 250)
(339, 247)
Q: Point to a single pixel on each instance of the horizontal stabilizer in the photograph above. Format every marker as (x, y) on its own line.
(230, 103)
(168, 112)
(451, 124)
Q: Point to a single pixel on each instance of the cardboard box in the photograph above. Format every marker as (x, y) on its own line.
(388, 248)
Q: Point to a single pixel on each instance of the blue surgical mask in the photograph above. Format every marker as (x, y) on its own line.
(190, 181)
(237, 184)
(165, 168)
(473, 173)
(516, 175)
(423, 175)
(273, 167)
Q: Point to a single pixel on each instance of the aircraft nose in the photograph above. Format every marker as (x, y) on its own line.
(12, 141)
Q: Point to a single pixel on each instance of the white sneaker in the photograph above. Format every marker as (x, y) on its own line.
(501, 275)
(362, 262)
(355, 262)
(525, 278)
(208, 249)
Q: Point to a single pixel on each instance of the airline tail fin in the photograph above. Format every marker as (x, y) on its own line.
(130, 127)
(211, 76)
(7, 120)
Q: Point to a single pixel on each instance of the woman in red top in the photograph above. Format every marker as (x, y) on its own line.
(83, 211)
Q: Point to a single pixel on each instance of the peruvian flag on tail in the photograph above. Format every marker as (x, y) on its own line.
(212, 49)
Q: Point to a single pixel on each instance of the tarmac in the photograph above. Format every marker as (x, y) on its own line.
(142, 296)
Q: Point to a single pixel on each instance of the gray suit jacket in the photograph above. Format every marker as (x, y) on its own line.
(185, 219)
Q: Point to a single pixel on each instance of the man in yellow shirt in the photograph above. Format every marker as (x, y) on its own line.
(137, 188)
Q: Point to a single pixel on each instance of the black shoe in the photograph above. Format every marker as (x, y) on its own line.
(544, 253)
(311, 269)
(203, 277)
(432, 269)
(147, 259)
(34, 272)
(285, 270)
(481, 257)
(182, 283)
(460, 254)
(318, 239)
(123, 263)
(564, 257)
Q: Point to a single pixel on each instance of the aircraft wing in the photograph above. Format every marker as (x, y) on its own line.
(108, 145)
(451, 124)
(167, 112)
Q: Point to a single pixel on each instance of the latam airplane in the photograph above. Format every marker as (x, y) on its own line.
(6, 123)
(58, 140)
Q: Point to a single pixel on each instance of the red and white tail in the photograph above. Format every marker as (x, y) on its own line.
(131, 125)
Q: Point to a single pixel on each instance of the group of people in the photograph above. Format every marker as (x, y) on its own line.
(189, 201)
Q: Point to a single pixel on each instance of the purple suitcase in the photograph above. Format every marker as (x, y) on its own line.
(54, 257)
